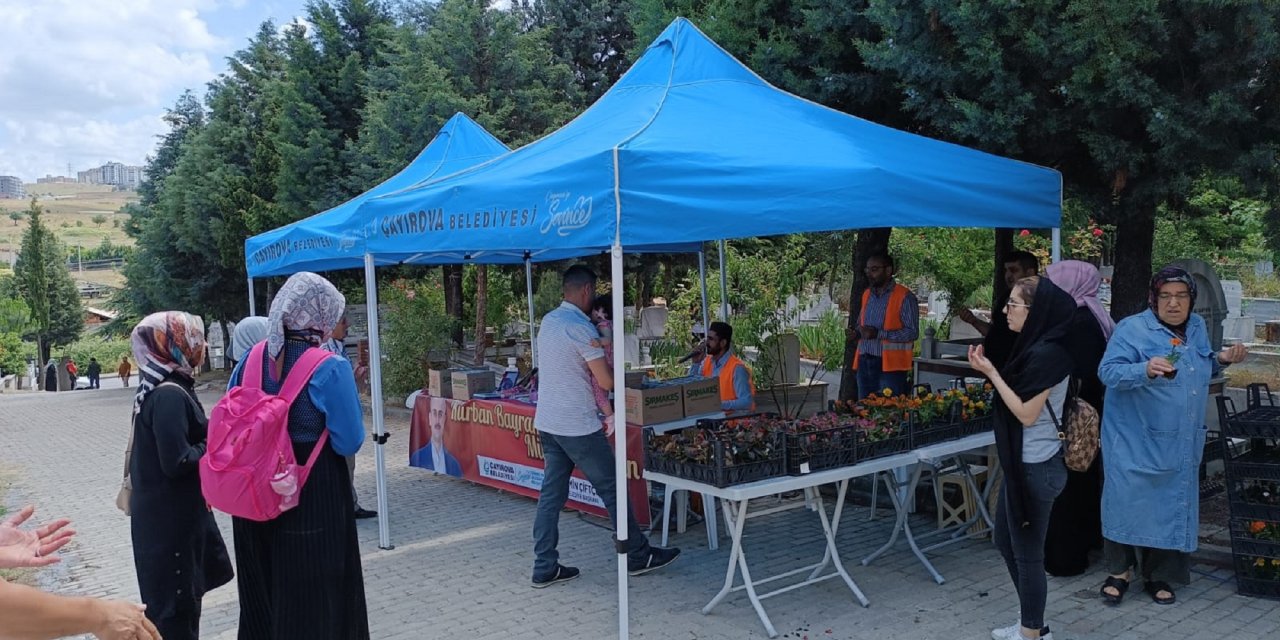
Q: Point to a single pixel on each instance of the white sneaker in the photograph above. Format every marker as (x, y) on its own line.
(1014, 632)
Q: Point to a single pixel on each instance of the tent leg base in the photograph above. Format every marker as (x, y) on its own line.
(387, 548)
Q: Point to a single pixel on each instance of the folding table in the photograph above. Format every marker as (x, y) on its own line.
(735, 500)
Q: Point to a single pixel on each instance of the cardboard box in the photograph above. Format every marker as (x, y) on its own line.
(701, 396)
(469, 382)
(655, 404)
(440, 382)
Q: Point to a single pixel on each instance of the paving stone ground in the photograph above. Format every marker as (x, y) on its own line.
(460, 566)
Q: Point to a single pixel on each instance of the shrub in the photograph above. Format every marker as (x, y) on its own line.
(416, 333)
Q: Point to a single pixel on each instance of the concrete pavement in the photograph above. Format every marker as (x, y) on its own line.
(460, 567)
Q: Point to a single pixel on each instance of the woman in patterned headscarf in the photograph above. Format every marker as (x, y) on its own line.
(299, 575)
(177, 549)
(1156, 369)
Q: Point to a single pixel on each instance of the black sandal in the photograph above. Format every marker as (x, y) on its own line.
(1154, 588)
(1119, 584)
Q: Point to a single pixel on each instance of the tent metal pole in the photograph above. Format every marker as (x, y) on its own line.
(1056, 255)
(620, 446)
(375, 399)
(702, 277)
(724, 285)
(253, 307)
(533, 337)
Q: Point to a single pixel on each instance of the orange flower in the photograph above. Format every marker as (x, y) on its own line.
(1257, 527)
(1175, 342)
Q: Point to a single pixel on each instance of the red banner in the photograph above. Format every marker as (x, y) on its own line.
(493, 442)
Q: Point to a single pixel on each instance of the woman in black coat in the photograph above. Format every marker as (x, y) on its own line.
(1075, 526)
(177, 549)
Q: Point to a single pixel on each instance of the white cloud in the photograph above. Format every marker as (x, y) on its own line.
(85, 81)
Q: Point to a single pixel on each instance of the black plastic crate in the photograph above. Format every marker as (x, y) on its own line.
(927, 433)
(1260, 418)
(1257, 575)
(974, 426)
(869, 449)
(810, 451)
(716, 424)
(1247, 537)
(1253, 498)
(719, 472)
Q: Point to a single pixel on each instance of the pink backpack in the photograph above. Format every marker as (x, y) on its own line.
(249, 469)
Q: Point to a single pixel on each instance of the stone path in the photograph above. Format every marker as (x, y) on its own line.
(460, 567)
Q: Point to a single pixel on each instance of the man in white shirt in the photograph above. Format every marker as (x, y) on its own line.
(572, 432)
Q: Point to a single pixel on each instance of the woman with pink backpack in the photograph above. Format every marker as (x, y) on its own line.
(299, 573)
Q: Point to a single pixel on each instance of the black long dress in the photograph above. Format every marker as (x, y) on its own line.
(299, 575)
(1075, 525)
(177, 549)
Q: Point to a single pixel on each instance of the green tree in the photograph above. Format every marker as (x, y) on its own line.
(321, 96)
(592, 38)
(16, 217)
(43, 283)
(99, 219)
(1131, 101)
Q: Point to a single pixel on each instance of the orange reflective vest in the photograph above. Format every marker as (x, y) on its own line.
(895, 356)
(727, 393)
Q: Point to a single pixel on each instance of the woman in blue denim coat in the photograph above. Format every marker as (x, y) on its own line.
(1157, 370)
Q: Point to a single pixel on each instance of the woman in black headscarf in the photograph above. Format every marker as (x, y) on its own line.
(1030, 390)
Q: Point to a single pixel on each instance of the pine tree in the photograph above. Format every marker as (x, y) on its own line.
(45, 285)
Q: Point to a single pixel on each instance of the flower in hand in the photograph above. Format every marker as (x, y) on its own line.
(1174, 354)
(34, 548)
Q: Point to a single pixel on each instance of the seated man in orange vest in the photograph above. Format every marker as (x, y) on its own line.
(888, 327)
(737, 389)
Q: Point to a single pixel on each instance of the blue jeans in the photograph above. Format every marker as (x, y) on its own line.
(594, 455)
(1023, 547)
(872, 379)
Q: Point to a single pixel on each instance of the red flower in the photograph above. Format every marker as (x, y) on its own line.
(1097, 233)
(1024, 233)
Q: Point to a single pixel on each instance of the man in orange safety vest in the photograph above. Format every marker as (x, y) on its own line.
(887, 329)
(737, 389)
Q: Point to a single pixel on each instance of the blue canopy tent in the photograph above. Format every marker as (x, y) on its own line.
(334, 239)
(688, 146)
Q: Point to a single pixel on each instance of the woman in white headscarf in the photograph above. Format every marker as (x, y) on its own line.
(299, 575)
(248, 332)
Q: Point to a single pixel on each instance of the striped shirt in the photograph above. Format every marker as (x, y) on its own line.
(877, 306)
(565, 400)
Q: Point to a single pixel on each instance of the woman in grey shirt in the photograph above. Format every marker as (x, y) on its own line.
(1034, 378)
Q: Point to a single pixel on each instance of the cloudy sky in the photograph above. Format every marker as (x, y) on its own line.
(85, 82)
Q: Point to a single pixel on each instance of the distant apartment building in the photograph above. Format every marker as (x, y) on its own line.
(11, 187)
(52, 179)
(113, 173)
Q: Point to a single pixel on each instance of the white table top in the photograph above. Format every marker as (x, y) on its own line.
(782, 484)
(951, 447)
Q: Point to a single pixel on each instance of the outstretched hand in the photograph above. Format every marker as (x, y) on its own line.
(978, 360)
(32, 548)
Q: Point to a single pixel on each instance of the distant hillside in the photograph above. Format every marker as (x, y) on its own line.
(69, 212)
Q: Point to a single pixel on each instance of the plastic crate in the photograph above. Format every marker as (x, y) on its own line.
(1258, 575)
(870, 449)
(716, 473)
(1259, 419)
(810, 451)
(924, 435)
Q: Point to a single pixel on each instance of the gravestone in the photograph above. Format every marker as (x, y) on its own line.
(1211, 302)
(1237, 326)
(939, 306)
